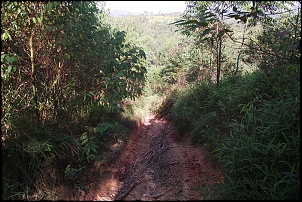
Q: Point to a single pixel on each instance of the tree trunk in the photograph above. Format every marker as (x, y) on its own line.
(34, 88)
(240, 50)
(219, 44)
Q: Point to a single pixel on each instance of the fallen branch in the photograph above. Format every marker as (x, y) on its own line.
(121, 196)
(149, 155)
(172, 163)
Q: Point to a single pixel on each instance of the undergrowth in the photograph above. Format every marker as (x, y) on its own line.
(251, 123)
(48, 161)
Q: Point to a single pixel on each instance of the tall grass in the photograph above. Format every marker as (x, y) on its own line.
(27, 157)
(252, 125)
(262, 153)
(48, 161)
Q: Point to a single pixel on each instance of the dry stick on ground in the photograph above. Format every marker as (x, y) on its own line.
(174, 162)
(148, 156)
(160, 194)
(138, 157)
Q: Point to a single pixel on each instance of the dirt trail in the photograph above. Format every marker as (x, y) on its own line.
(154, 166)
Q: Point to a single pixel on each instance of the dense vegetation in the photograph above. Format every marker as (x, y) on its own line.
(64, 74)
(226, 74)
(250, 120)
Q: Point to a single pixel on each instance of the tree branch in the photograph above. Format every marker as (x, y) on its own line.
(258, 49)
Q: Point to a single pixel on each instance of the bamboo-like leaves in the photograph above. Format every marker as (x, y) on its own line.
(205, 32)
(191, 22)
(89, 144)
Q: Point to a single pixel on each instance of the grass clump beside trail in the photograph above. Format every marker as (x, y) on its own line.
(252, 125)
(51, 161)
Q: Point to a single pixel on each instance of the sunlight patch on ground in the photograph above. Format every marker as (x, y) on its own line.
(109, 189)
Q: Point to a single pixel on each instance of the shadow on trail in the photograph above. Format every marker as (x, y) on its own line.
(153, 166)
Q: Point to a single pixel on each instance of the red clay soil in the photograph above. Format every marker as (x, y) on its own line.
(153, 165)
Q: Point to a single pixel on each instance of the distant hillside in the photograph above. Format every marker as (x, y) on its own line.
(119, 13)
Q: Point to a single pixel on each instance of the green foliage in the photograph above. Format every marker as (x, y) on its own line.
(66, 73)
(203, 19)
(170, 73)
(26, 156)
(161, 43)
(89, 144)
(77, 59)
(152, 34)
(251, 123)
(210, 24)
(71, 172)
(60, 63)
(278, 41)
(96, 137)
(270, 142)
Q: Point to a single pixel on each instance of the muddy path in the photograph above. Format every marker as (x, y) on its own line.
(154, 166)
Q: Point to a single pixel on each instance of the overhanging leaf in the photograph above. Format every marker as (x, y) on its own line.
(202, 19)
(9, 69)
(191, 22)
(11, 59)
(206, 38)
(177, 22)
(142, 54)
(205, 32)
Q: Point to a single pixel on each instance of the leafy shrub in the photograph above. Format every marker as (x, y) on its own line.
(262, 153)
(64, 69)
(251, 123)
(28, 155)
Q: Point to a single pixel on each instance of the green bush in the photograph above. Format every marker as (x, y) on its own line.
(251, 123)
(27, 157)
(262, 153)
(65, 72)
